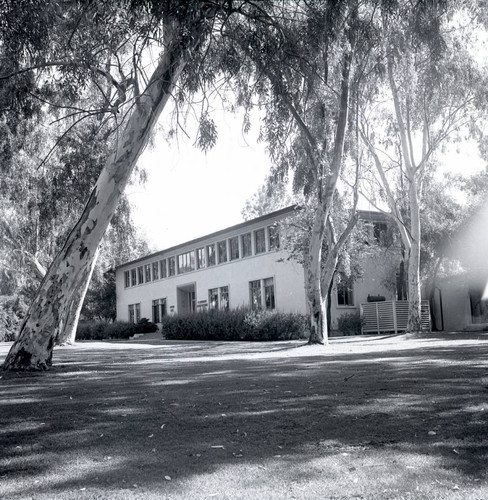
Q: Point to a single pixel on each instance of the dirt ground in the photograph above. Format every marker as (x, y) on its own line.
(366, 417)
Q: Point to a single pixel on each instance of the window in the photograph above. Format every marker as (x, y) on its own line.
(133, 277)
(147, 272)
(479, 306)
(164, 272)
(255, 295)
(259, 241)
(269, 295)
(224, 298)
(140, 274)
(171, 266)
(344, 291)
(222, 251)
(213, 298)
(234, 248)
(158, 310)
(259, 290)
(155, 270)
(246, 245)
(218, 298)
(274, 238)
(134, 313)
(201, 261)
(211, 255)
(127, 279)
(186, 262)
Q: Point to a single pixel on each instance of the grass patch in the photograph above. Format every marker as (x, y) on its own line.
(370, 418)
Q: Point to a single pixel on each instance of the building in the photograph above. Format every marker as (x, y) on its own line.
(241, 266)
(246, 266)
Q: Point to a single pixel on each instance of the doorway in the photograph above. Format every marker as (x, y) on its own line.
(186, 299)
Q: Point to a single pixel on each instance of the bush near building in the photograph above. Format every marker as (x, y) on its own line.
(350, 324)
(236, 324)
(102, 330)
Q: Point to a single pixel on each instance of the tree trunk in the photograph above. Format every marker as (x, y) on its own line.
(318, 320)
(414, 322)
(68, 335)
(71, 268)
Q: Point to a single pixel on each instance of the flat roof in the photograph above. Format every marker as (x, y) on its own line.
(241, 225)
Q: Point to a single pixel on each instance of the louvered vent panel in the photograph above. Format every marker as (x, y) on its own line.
(391, 316)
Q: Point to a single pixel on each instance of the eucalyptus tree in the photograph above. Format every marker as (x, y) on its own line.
(65, 45)
(432, 89)
(298, 62)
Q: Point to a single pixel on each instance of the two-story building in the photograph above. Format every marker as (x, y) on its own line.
(244, 265)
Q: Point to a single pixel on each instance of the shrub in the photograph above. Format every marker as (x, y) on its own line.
(101, 330)
(236, 324)
(145, 326)
(350, 324)
(12, 311)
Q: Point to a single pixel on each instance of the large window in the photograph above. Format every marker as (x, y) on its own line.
(134, 313)
(222, 251)
(140, 274)
(345, 295)
(246, 245)
(171, 266)
(155, 270)
(234, 248)
(186, 262)
(133, 277)
(164, 269)
(201, 260)
(259, 241)
(127, 279)
(262, 294)
(218, 298)
(211, 255)
(158, 310)
(147, 272)
(274, 238)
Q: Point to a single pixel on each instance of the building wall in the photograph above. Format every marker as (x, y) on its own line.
(378, 278)
(236, 274)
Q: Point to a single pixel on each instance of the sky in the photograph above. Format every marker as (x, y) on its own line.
(189, 193)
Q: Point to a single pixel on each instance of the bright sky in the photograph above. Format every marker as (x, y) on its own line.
(189, 193)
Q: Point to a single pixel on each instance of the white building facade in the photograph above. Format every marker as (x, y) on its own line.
(241, 266)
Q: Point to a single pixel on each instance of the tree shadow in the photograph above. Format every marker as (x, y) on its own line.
(133, 416)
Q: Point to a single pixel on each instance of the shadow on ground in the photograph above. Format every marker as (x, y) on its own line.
(159, 415)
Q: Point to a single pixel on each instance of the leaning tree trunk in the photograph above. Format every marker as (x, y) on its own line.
(68, 335)
(70, 269)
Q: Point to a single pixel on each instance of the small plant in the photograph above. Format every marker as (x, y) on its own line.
(350, 324)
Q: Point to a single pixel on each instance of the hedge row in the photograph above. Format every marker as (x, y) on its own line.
(237, 324)
(101, 330)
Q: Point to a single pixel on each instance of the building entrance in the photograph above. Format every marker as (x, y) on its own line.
(186, 297)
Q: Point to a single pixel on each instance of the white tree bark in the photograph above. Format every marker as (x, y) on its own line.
(68, 335)
(71, 268)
